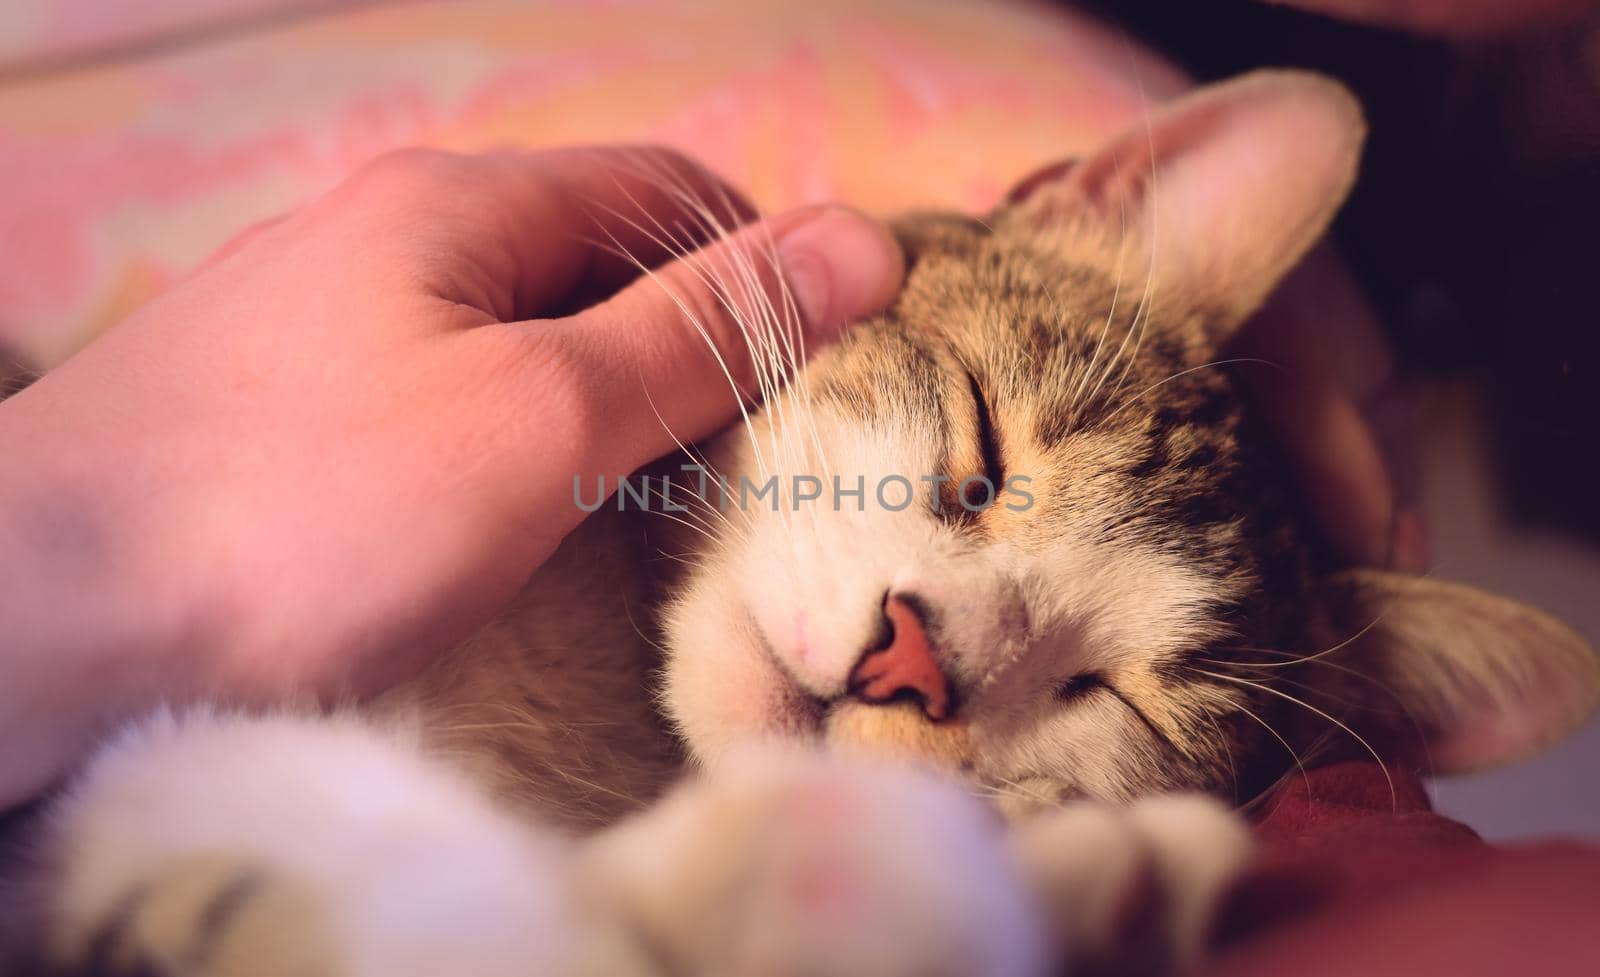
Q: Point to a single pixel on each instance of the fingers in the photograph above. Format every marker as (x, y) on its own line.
(670, 358)
(632, 206)
(1336, 460)
(1334, 383)
(518, 235)
(1449, 17)
(1318, 322)
(1341, 471)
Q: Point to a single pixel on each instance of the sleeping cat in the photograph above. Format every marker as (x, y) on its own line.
(1099, 612)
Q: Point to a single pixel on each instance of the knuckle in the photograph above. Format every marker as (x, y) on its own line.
(671, 160)
(411, 164)
(646, 158)
(417, 175)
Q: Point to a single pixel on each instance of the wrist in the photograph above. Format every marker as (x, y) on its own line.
(94, 632)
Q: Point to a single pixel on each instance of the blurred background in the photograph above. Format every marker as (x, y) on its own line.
(138, 135)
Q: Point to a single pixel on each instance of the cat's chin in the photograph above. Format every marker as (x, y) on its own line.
(900, 732)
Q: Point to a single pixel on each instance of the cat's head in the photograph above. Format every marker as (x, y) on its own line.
(1125, 614)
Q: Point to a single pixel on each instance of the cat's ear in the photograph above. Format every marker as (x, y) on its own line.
(1476, 679)
(1215, 196)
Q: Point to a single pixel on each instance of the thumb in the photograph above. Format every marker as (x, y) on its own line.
(675, 353)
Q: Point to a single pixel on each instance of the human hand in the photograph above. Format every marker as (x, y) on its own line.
(1328, 393)
(347, 440)
(1463, 18)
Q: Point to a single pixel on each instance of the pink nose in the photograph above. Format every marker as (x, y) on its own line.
(905, 668)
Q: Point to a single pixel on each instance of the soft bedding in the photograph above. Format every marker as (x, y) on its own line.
(119, 174)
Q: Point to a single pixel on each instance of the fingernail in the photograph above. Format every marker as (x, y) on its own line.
(1409, 542)
(839, 266)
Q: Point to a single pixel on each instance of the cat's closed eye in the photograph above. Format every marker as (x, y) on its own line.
(1079, 686)
(981, 494)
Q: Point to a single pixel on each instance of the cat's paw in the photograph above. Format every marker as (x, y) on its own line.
(207, 915)
(784, 863)
(231, 846)
(1133, 890)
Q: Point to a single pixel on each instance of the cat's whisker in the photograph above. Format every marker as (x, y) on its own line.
(696, 565)
(1396, 698)
(1021, 787)
(1180, 374)
(685, 523)
(689, 515)
(659, 693)
(1075, 402)
(772, 326)
(755, 310)
(1394, 796)
(691, 499)
(1324, 693)
(1299, 659)
(730, 531)
(682, 248)
(779, 336)
(761, 333)
(700, 328)
(799, 387)
(1318, 655)
(1141, 314)
(1299, 762)
(752, 338)
(688, 451)
(1136, 330)
(718, 286)
(1233, 768)
(721, 513)
(1078, 402)
(776, 356)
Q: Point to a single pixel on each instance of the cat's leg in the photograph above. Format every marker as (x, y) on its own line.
(786, 863)
(798, 864)
(292, 846)
(1133, 890)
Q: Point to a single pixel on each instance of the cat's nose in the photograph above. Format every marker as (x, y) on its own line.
(903, 667)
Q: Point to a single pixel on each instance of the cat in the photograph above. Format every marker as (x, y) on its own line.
(1063, 577)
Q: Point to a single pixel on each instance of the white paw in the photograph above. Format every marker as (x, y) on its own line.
(230, 845)
(1133, 890)
(784, 863)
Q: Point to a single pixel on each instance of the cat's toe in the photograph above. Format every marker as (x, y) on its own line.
(212, 845)
(1133, 890)
(1199, 849)
(796, 864)
(207, 916)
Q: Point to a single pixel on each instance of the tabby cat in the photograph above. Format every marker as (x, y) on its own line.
(1075, 587)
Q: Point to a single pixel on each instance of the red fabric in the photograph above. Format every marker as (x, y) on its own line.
(1358, 881)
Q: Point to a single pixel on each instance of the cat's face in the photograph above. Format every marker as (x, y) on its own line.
(1062, 614)
(1091, 630)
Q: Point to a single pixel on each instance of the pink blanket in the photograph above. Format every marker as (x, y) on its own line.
(119, 173)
